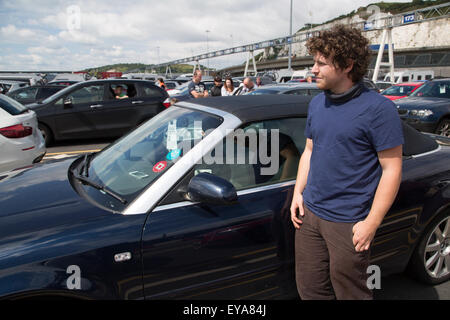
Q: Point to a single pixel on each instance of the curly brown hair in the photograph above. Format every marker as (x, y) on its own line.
(343, 45)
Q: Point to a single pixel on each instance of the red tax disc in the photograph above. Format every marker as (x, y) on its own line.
(160, 166)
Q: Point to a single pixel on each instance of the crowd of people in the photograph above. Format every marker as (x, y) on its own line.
(197, 88)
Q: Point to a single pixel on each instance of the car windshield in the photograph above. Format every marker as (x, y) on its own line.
(398, 90)
(138, 159)
(11, 106)
(437, 89)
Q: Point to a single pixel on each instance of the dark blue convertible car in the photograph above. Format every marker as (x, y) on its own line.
(183, 207)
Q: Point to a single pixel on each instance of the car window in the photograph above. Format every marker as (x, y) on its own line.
(262, 91)
(27, 93)
(298, 92)
(151, 91)
(398, 91)
(239, 161)
(171, 85)
(437, 89)
(128, 91)
(11, 106)
(47, 92)
(87, 94)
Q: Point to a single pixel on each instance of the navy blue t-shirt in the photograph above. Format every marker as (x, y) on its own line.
(344, 168)
(198, 87)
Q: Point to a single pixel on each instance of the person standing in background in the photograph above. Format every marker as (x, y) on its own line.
(196, 87)
(228, 88)
(216, 90)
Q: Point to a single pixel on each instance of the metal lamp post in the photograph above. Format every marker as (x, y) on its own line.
(207, 49)
(290, 43)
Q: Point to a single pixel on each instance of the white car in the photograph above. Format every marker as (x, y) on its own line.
(21, 142)
(178, 89)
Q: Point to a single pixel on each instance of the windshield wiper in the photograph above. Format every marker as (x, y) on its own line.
(97, 186)
(85, 164)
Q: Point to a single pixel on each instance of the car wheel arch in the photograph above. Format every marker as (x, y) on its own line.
(421, 226)
(445, 117)
(45, 126)
(414, 262)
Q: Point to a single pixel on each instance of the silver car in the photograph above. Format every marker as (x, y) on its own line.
(21, 142)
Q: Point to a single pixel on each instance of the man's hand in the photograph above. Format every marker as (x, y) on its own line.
(391, 166)
(363, 234)
(297, 203)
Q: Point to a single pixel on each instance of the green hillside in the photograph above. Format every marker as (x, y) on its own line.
(140, 67)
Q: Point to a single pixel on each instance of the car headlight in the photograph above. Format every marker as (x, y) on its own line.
(421, 113)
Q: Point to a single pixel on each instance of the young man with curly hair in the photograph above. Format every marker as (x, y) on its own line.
(349, 172)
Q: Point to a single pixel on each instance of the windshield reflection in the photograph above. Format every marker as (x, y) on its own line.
(137, 160)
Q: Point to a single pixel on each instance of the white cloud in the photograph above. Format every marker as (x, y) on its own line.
(32, 59)
(48, 51)
(77, 37)
(11, 31)
(115, 31)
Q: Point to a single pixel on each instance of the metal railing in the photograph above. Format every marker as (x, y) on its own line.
(392, 21)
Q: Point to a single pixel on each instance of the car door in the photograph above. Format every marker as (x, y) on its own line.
(118, 116)
(150, 102)
(245, 250)
(75, 113)
(114, 116)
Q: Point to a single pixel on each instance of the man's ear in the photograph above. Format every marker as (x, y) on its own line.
(349, 68)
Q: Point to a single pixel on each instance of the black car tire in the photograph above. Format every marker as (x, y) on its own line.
(444, 128)
(417, 267)
(46, 133)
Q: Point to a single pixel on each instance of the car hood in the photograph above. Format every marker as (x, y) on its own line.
(421, 102)
(41, 197)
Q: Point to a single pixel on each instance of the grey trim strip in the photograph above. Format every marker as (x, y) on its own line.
(264, 188)
(174, 205)
(153, 194)
(239, 193)
(427, 153)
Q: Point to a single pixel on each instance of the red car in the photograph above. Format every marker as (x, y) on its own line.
(401, 90)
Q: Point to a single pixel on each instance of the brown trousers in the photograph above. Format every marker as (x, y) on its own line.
(327, 264)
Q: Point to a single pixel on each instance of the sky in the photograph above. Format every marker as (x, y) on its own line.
(75, 35)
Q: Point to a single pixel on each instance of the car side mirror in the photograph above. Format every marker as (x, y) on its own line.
(210, 189)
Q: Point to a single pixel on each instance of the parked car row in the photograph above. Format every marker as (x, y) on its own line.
(401, 90)
(91, 109)
(147, 218)
(428, 108)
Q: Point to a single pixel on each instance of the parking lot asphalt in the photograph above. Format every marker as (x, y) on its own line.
(394, 287)
(65, 149)
(403, 287)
